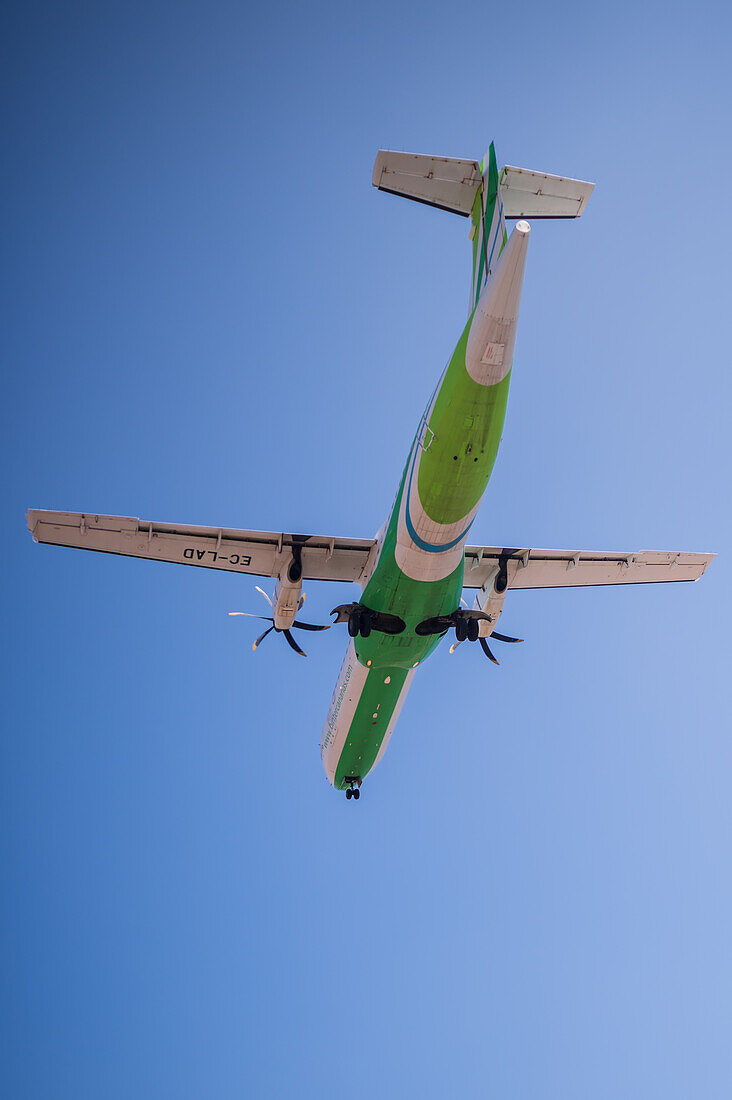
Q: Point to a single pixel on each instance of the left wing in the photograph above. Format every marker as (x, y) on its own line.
(262, 553)
(523, 568)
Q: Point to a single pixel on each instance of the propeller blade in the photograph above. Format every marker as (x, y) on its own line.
(343, 611)
(293, 644)
(486, 649)
(261, 590)
(262, 637)
(464, 603)
(454, 646)
(302, 601)
(505, 637)
(310, 626)
(249, 615)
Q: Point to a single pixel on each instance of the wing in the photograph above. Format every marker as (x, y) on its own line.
(572, 569)
(259, 552)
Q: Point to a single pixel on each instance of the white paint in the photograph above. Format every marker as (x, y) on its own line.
(286, 599)
(530, 194)
(349, 687)
(446, 182)
(489, 353)
(493, 354)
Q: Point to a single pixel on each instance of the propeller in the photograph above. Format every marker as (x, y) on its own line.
(486, 648)
(269, 619)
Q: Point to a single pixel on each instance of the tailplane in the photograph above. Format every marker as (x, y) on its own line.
(477, 190)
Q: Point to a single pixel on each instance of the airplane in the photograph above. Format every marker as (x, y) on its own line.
(413, 572)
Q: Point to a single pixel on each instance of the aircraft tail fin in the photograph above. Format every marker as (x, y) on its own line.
(488, 231)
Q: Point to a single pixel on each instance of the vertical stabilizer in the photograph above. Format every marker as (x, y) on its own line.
(488, 231)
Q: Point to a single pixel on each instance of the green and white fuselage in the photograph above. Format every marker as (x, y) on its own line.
(417, 570)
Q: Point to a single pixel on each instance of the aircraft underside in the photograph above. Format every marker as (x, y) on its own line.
(413, 574)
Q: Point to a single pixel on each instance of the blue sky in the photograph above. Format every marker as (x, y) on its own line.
(212, 317)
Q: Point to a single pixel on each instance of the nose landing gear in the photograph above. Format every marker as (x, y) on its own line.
(352, 790)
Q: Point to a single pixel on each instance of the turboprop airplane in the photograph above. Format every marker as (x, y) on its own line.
(412, 574)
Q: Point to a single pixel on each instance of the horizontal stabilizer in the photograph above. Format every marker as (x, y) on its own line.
(452, 184)
(528, 194)
(443, 182)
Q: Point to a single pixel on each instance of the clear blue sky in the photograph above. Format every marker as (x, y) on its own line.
(212, 317)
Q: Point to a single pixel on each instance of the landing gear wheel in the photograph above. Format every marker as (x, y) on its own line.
(349, 793)
(473, 628)
(461, 630)
(365, 624)
(356, 793)
(354, 623)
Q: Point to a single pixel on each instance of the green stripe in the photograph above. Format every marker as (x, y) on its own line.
(366, 731)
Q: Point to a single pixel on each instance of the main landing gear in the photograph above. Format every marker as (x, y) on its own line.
(362, 620)
(467, 630)
(353, 788)
(359, 622)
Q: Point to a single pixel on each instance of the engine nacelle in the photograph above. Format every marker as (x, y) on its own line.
(287, 597)
(490, 598)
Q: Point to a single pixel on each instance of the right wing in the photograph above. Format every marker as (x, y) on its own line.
(262, 553)
(572, 569)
